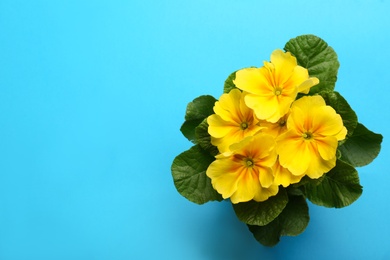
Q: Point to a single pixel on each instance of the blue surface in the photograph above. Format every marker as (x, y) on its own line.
(92, 96)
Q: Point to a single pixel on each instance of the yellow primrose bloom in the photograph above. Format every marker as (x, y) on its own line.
(310, 143)
(246, 173)
(232, 121)
(273, 87)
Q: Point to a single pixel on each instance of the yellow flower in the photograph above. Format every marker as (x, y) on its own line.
(232, 121)
(246, 174)
(310, 143)
(273, 87)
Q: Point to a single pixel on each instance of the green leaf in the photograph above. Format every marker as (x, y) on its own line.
(305, 180)
(294, 191)
(188, 129)
(339, 188)
(320, 59)
(335, 100)
(229, 85)
(203, 138)
(261, 213)
(197, 110)
(189, 175)
(362, 147)
(291, 222)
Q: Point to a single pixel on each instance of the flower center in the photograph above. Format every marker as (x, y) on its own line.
(282, 122)
(249, 163)
(307, 136)
(244, 125)
(278, 91)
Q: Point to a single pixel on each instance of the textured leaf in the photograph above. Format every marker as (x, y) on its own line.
(306, 180)
(320, 59)
(261, 213)
(196, 112)
(188, 129)
(335, 100)
(339, 188)
(291, 222)
(229, 85)
(362, 147)
(203, 138)
(189, 175)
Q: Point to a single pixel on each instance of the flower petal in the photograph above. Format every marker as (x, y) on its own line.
(218, 127)
(284, 64)
(264, 193)
(262, 146)
(319, 166)
(284, 177)
(307, 103)
(297, 121)
(224, 175)
(266, 176)
(284, 107)
(228, 106)
(328, 123)
(298, 75)
(327, 146)
(252, 80)
(305, 86)
(295, 153)
(247, 187)
(264, 107)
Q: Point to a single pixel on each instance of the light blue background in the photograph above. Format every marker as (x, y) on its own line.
(92, 96)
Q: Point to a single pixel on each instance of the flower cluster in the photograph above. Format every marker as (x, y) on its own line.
(269, 134)
(279, 135)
